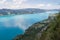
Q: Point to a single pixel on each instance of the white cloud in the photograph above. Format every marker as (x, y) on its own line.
(18, 4)
(14, 4)
(48, 6)
(2, 1)
(41, 5)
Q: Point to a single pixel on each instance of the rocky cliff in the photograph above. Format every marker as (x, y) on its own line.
(46, 30)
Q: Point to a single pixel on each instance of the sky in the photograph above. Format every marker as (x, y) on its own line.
(21, 4)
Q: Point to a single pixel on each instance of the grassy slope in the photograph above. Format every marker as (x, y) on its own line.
(53, 32)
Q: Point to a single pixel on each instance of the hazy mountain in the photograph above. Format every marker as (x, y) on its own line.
(20, 11)
(23, 11)
(54, 10)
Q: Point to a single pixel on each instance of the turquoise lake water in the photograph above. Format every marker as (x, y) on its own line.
(11, 26)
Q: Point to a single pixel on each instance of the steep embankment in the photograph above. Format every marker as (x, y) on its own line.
(53, 32)
(48, 30)
(34, 31)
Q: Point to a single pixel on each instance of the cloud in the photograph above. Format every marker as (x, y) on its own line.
(48, 6)
(11, 4)
(2, 1)
(19, 4)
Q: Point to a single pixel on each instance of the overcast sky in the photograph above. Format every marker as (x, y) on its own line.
(20, 4)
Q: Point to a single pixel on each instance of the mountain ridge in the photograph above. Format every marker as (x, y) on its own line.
(23, 11)
(20, 11)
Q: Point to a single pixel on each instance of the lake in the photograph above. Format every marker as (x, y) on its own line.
(11, 26)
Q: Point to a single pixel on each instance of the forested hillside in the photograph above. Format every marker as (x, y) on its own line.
(43, 31)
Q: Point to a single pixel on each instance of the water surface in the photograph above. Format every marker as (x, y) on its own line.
(10, 26)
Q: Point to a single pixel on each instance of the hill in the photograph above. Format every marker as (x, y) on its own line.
(20, 11)
(47, 30)
(23, 11)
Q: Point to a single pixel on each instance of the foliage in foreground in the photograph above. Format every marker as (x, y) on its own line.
(51, 33)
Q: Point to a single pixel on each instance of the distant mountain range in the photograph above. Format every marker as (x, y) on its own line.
(20, 11)
(23, 11)
(54, 10)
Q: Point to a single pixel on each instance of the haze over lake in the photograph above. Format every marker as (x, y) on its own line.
(11, 26)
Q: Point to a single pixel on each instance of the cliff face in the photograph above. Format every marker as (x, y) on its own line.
(46, 30)
(32, 32)
(53, 31)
